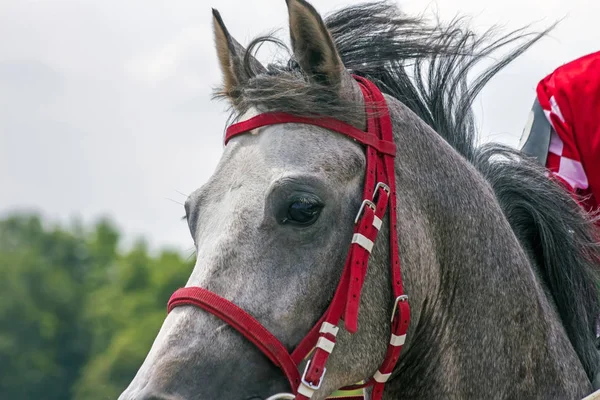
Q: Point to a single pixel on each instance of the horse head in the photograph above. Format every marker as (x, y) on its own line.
(344, 186)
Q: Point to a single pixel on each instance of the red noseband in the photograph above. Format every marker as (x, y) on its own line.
(379, 195)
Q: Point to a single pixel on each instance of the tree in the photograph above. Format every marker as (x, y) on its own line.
(42, 342)
(77, 316)
(134, 306)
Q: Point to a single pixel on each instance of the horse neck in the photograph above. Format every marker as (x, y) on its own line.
(481, 322)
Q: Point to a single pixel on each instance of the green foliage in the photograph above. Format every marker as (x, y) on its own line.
(77, 316)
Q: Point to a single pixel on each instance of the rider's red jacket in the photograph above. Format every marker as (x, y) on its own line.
(570, 99)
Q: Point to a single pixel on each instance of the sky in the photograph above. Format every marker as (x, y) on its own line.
(106, 110)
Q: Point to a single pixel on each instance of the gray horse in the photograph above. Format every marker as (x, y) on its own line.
(498, 260)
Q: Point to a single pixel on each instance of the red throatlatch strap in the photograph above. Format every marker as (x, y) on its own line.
(399, 328)
(243, 322)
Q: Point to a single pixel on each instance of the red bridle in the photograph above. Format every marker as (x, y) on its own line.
(379, 193)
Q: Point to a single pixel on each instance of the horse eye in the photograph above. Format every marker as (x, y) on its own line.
(304, 211)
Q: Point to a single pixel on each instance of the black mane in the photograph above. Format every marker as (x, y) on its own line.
(426, 67)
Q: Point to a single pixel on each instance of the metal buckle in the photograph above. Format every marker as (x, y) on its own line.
(282, 396)
(310, 385)
(367, 203)
(398, 300)
(383, 186)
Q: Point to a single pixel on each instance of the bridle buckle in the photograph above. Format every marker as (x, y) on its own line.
(381, 185)
(282, 396)
(308, 384)
(365, 203)
(398, 300)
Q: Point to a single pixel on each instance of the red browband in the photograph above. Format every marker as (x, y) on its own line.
(379, 196)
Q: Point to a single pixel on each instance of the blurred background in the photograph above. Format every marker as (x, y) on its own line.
(106, 125)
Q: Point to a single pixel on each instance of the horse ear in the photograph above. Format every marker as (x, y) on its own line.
(231, 58)
(312, 44)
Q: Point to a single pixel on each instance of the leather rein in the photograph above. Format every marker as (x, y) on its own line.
(379, 196)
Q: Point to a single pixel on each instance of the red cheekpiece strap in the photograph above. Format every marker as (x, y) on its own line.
(243, 322)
